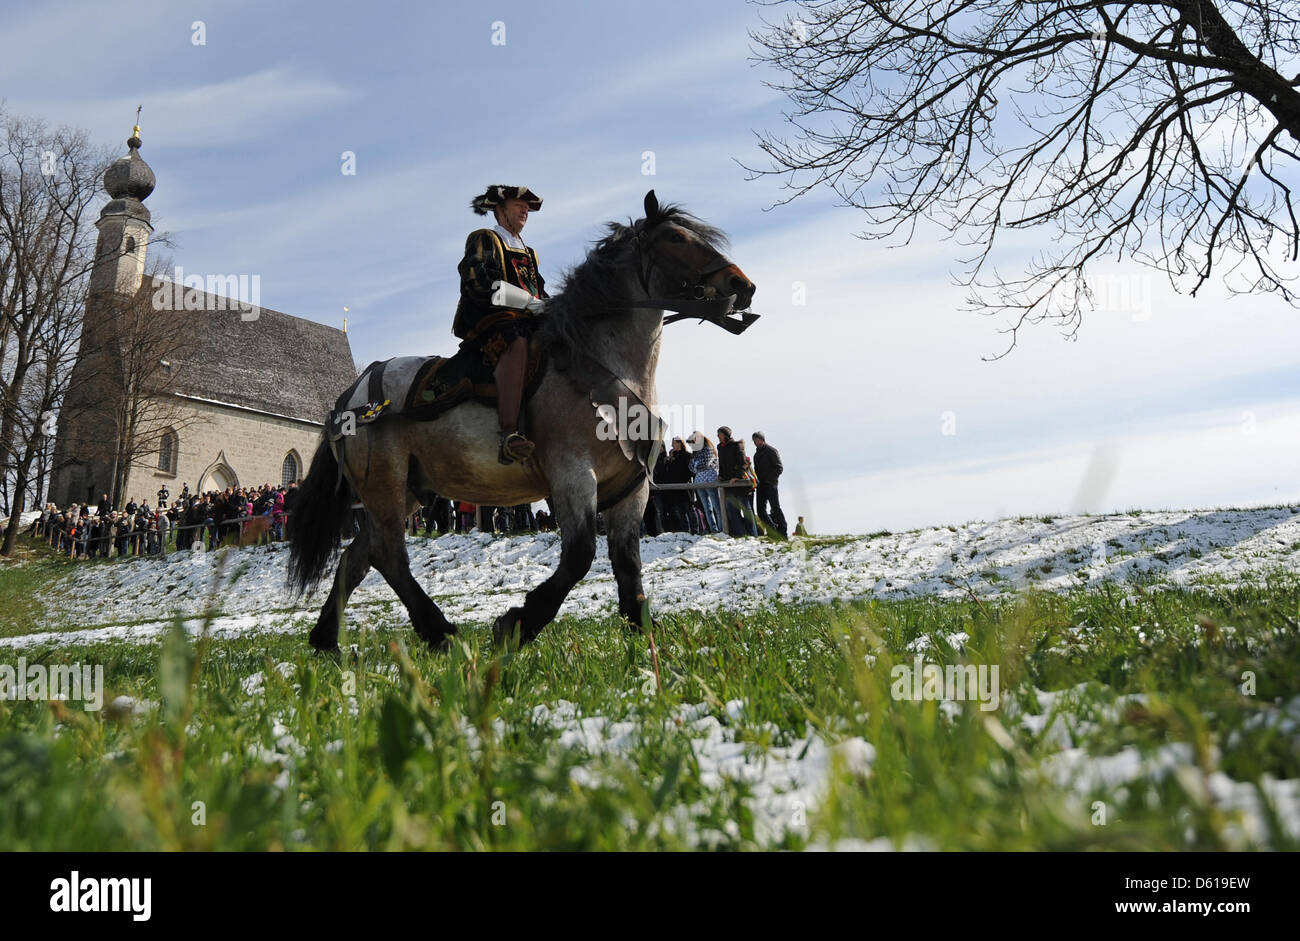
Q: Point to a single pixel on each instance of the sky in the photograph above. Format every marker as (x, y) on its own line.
(867, 370)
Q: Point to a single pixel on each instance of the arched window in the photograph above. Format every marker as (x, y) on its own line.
(168, 448)
(130, 245)
(289, 469)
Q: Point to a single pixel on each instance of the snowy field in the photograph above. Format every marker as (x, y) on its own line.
(606, 730)
(476, 577)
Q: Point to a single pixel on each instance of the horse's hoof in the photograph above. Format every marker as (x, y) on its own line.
(440, 644)
(508, 630)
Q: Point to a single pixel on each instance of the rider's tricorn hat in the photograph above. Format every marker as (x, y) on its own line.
(497, 194)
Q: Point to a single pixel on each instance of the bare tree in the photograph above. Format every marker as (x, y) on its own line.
(47, 185)
(1164, 132)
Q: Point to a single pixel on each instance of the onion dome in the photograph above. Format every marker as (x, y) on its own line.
(130, 177)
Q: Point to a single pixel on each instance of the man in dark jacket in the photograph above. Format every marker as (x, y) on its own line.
(731, 468)
(121, 532)
(767, 467)
(191, 530)
(731, 463)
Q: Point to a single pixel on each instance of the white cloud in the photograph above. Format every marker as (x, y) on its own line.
(235, 111)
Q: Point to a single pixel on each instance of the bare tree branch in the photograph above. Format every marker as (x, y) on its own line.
(1164, 132)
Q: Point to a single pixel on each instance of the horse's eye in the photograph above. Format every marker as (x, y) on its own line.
(676, 237)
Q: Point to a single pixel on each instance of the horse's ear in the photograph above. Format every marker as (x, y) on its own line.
(651, 207)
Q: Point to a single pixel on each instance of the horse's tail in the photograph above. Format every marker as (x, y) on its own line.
(315, 528)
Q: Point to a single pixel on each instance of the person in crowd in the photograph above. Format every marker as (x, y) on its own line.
(122, 532)
(652, 517)
(655, 518)
(105, 505)
(220, 512)
(208, 507)
(82, 541)
(465, 512)
(237, 509)
(290, 502)
(437, 516)
(164, 530)
(70, 530)
(704, 468)
(195, 516)
(95, 548)
(139, 543)
(277, 516)
(174, 517)
(731, 469)
(768, 468)
(676, 469)
(131, 507)
(747, 495)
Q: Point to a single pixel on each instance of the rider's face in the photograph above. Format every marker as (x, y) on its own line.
(515, 214)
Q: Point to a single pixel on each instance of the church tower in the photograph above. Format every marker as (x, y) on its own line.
(85, 445)
(124, 226)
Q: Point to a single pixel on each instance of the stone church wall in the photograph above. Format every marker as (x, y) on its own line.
(248, 445)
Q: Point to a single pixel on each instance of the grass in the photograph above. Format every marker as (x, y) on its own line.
(254, 743)
(21, 581)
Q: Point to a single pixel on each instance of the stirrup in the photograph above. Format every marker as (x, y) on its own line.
(515, 448)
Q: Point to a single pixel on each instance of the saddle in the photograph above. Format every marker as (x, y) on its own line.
(423, 388)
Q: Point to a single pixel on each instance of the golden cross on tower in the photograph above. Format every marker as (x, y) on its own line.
(136, 129)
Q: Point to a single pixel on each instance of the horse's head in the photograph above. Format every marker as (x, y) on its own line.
(680, 258)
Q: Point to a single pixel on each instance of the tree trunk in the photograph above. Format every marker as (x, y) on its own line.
(1250, 73)
(20, 494)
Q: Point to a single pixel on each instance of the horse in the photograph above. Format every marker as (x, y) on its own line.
(601, 336)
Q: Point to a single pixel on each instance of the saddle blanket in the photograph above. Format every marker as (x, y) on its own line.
(421, 388)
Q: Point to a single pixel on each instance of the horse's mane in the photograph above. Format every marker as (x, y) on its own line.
(594, 286)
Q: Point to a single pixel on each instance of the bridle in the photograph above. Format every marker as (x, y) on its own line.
(697, 300)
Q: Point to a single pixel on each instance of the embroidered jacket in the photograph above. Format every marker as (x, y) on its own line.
(488, 258)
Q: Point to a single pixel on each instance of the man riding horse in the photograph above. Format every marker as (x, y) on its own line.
(501, 288)
(601, 334)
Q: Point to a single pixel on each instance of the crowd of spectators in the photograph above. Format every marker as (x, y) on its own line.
(446, 516)
(240, 515)
(697, 460)
(260, 515)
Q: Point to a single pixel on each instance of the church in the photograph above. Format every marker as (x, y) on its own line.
(237, 394)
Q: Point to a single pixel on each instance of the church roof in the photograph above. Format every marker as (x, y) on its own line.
(277, 363)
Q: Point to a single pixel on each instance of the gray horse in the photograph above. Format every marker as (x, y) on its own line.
(601, 336)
